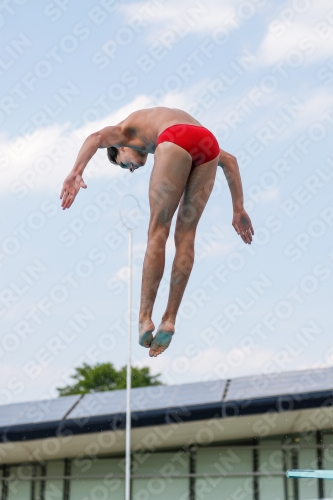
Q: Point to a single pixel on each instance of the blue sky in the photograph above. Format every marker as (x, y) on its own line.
(258, 74)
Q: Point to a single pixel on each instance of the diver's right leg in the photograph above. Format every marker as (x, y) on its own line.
(172, 166)
(196, 194)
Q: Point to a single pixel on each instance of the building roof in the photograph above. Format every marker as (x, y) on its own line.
(161, 405)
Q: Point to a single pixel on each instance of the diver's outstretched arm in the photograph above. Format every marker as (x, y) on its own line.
(109, 136)
(241, 221)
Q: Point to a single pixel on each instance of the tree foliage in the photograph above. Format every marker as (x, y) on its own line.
(105, 377)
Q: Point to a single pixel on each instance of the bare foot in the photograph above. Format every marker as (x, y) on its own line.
(162, 339)
(145, 332)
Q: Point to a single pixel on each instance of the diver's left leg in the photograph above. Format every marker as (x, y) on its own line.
(196, 194)
(172, 166)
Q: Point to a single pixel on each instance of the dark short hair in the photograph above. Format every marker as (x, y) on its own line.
(112, 154)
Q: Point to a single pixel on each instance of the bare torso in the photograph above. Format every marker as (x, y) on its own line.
(147, 124)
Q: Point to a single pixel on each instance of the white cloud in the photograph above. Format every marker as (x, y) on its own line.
(297, 34)
(316, 105)
(210, 364)
(17, 387)
(311, 105)
(313, 109)
(269, 195)
(214, 363)
(41, 160)
(191, 17)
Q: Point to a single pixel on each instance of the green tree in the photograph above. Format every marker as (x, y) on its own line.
(104, 377)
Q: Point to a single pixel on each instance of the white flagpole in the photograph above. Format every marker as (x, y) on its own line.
(129, 344)
(128, 375)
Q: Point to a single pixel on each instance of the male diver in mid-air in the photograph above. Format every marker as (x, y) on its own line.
(186, 156)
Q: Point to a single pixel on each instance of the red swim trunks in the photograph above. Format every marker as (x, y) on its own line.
(198, 141)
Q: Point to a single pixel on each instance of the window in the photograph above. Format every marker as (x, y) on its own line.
(54, 487)
(171, 464)
(19, 487)
(227, 462)
(97, 479)
(272, 482)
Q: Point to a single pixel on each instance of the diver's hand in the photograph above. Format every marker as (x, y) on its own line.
(243, 226)
(70, 188)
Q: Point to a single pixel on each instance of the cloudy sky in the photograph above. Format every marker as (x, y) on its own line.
(259, 75)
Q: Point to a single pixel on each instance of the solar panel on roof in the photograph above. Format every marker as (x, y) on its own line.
(199, 393)
(36, 411)
(251, 387)
(156, 397)
(179, 395)
(99, 403)
(149, 398)
(307, 380)
(159, 397)
(276, 384)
